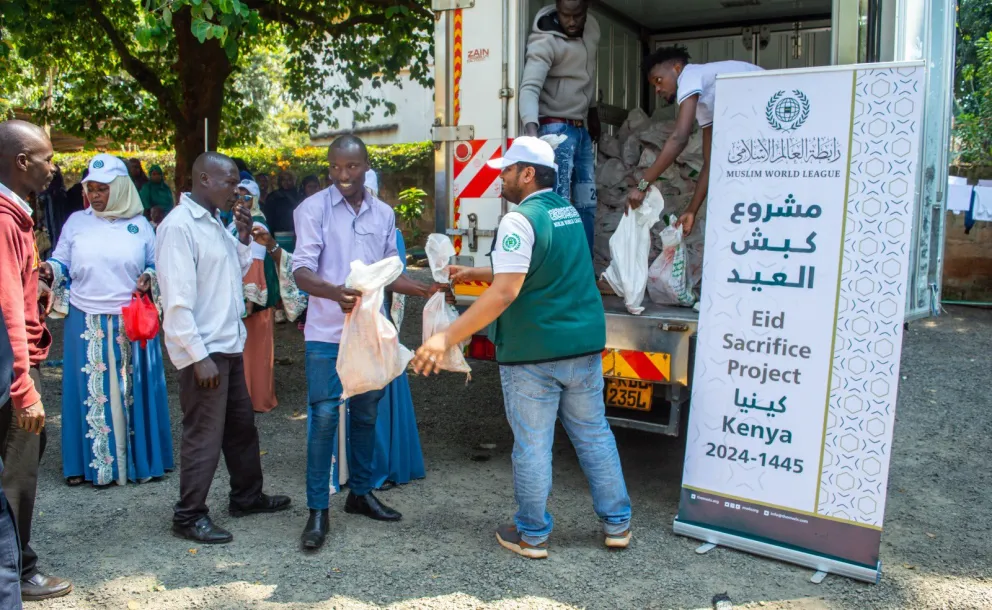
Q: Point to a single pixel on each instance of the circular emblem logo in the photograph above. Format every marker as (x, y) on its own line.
(787, 112)
(511, 243)
(132, 229)
(787, 109)
(97, 164)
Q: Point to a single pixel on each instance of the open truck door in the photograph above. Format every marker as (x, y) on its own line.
(479, 55)
(475, 116)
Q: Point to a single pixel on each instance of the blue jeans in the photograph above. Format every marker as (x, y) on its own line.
(576, 172)
(572, 390)
(324, 396)
(10, 556)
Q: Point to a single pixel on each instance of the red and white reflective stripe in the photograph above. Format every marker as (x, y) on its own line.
(473, 178)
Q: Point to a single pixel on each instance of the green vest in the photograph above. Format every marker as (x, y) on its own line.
(559, 311)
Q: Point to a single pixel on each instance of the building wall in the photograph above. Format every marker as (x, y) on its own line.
(411, 122)
(968, 257)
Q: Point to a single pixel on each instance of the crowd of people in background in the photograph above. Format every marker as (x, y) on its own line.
(82, 254)
(56, 203)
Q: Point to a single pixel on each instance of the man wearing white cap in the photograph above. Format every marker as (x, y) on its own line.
(549, 330)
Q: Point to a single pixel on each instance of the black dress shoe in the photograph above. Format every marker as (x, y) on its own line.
(316, 530)
(262, 504)
(370, 506)
(40, 587)
(203, 530)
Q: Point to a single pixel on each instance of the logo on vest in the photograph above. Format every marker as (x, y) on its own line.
(132, 229)
(564, 216)
(511, 243)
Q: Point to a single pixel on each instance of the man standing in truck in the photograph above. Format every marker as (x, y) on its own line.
(558, 96)
(693, 86)
(550, 330)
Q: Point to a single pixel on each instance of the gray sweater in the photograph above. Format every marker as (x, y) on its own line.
(559, 72)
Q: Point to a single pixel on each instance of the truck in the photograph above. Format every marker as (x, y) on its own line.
(479, 52)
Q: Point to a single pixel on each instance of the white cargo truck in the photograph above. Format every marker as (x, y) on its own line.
(479, 56)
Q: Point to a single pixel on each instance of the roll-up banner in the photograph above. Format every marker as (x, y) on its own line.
(808, 235)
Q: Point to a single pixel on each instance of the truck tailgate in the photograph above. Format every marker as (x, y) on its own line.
(659, 329)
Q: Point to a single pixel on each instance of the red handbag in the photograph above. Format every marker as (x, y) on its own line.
(140, 319)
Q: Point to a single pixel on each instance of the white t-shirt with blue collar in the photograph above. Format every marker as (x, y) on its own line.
(104, 258)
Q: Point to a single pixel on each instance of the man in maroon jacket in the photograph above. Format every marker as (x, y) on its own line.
(25, 167)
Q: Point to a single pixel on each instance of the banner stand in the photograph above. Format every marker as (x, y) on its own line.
(781, 553)
(809, 229)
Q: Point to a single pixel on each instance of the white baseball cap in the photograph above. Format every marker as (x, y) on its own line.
(104, 168)
(526, 149)
(251, 186)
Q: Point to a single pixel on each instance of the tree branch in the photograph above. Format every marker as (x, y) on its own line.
(138, 70)
(278, 12)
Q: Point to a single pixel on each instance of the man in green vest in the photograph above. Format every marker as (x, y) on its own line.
(549, 330)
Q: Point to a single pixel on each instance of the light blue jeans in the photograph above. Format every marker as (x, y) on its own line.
(576, 172)
(571, 390)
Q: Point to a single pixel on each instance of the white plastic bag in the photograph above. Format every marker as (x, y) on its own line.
(370, 355)
(630, 248)
(438, 315)
(668, 282)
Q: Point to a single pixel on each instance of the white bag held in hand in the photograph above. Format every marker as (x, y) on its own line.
(370, 355)
(630, 248)
(667, 281)
(438, 315)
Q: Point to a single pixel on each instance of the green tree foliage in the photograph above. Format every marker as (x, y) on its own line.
(154, 70)
(973, 86)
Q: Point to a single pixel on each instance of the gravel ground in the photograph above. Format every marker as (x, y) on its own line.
(116, 544)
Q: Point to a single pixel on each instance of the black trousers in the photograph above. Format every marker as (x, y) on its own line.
(215, 420)
(21, 452)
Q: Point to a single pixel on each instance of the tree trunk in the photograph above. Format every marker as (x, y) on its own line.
(202, 69)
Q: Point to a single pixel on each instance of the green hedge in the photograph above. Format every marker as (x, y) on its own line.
(393, 159)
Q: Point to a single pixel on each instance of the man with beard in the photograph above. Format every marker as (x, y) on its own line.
(549, 332)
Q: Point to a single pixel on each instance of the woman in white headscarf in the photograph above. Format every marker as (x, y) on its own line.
(115, 408)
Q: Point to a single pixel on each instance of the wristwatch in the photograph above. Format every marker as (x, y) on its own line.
(643, 185)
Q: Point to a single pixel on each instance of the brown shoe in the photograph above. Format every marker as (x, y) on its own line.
(618, 541)
(41, 587)
(510, 539)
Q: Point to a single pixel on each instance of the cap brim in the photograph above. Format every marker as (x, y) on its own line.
(102, 177)
(500, 163)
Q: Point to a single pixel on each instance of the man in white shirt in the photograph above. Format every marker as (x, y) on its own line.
(693, 86)
(200, 267)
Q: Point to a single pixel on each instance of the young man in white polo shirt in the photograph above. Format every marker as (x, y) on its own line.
(693, 86)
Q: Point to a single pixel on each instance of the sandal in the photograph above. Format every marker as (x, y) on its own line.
(74, 481)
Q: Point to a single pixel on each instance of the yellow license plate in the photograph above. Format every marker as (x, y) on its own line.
(627, 394)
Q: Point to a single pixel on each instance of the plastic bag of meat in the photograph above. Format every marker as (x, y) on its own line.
(438, 314)
(370, 355)
(630, 249)
(668, 281)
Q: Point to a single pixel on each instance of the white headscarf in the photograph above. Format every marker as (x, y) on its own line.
(123, 201)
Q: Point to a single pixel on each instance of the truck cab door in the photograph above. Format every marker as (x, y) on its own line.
(475, 115)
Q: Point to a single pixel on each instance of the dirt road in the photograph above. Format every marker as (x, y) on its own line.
(116, 544)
